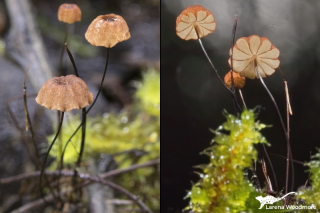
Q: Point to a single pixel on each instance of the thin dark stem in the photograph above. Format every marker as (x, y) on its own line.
(83, 136)
(62, 51)
(234, 29)
(102, 80)
(283, 126)
(216, 71)
(47, 154)
(72, 60)
(100, 88)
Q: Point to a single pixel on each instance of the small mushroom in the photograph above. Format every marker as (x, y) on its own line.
(238, 81)
(107, 31)
(64, 93)
(195, 22)
(69, 13)
(254, 52)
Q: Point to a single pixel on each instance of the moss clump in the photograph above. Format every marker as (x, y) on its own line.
(224, 186)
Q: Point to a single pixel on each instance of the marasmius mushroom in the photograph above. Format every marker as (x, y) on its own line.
(238, 82)
(106, 31)
(196, 22)
(254, 53)
(69, 14)
(64, 94)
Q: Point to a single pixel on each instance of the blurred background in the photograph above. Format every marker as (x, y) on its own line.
(123, 127)
(193, 100)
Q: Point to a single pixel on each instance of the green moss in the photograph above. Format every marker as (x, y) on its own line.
(223, 185)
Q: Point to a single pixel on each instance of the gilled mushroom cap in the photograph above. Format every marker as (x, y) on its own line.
(107, 31)
(254, 52)
(64, 93)
(69, 13)
(238, 80)
(195, 22)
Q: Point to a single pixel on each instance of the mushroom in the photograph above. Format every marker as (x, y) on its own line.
(64, 94)
(107, 31)
(195, 22)
(238, 81)
(254, 52)
(69, 13)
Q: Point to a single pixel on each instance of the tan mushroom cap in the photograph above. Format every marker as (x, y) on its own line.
(238, 81)
(195, 22)
(251, 52)
(107, 31)
(64, 93)
(69, 13)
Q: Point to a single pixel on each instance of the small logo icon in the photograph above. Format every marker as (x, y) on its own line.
(270, 199)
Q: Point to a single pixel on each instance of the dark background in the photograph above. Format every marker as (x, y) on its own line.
(193, 100)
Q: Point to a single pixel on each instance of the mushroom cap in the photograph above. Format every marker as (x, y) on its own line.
(69, 13)
(64, 93)
(107, 31)
(238, 80)
(251, 51)
(195, 22)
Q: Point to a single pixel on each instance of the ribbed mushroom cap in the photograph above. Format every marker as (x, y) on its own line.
(195, 22)
(107, 31)
(254, 52)
(64, 93)
(69, 13)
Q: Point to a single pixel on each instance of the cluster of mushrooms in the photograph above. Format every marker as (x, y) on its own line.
(70, 92)
(251, 56)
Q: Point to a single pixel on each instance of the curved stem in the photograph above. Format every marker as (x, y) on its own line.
(100, 88)
(62, 51)
(216, 71)
(102, 80)
(283, 126)
(71, 59)
(47, 154)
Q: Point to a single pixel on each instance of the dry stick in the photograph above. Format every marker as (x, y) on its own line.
(28, 120)
(271, 166)
(38, 203)
(282, 123)
(266, 176)
(16, 123)
(90, 179)
(112, 173)
(289, 111)
(28, 123)
(47, 154)
(234, 29)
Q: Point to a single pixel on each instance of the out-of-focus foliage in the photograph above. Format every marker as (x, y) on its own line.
(132, 136)
(223, 185)
(311, 195)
